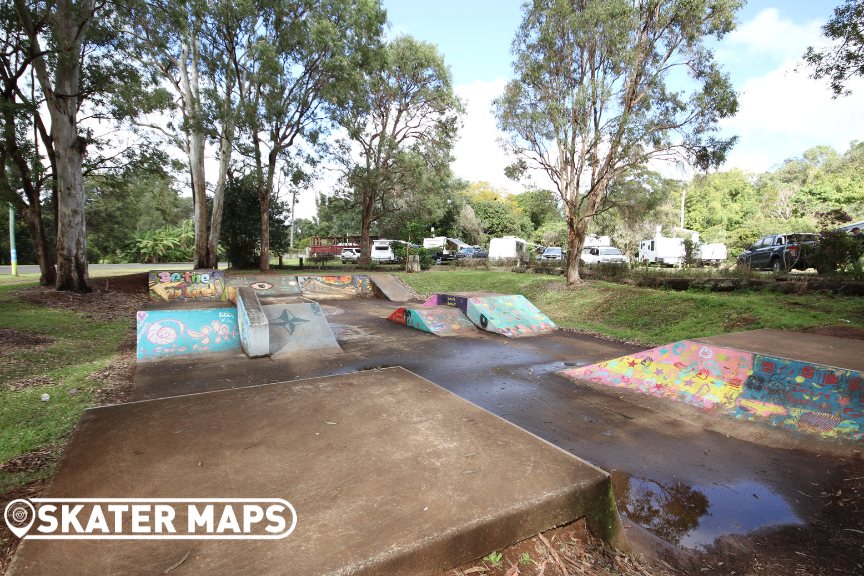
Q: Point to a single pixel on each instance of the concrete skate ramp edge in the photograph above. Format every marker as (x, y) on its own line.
(388, 473)
(184, 332)
(186, 285)
(265, 285)
(389, 287)
(802, 396)
(513, 316)
(347, 286)
(299, 328)
(440, 320)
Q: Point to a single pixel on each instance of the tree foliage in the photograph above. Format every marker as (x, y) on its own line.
(590, 98)
(844, 58)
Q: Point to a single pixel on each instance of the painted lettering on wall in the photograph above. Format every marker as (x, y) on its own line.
(189, 285)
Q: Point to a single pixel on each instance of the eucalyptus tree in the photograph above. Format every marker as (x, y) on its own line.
(603, 86)
(400, 128)
(844, 58)
(202, 51)
(24, 177)
(62, 27)
(309, 61)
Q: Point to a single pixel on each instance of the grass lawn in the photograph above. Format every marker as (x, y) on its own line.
(649, 316)
(62, 367)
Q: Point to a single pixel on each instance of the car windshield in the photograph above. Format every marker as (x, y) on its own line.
(552, 251)
(610, 251)
(466, 250)
(382, 247)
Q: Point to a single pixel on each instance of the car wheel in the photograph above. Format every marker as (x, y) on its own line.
(777, 266)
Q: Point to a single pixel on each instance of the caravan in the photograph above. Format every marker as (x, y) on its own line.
(511, 247)
(662, 251)
(444, 248)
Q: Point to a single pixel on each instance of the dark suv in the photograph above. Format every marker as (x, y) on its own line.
(471, 252)
(780, 252)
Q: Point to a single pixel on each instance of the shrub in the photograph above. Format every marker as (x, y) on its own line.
(837, 252)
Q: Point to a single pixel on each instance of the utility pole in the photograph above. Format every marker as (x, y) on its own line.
(294, 201)
(12, 253)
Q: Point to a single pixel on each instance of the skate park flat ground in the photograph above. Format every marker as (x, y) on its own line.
(746, 484)
(388, 473)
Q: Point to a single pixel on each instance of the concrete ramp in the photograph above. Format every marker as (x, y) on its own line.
(438, 320)
(800, 395)
(513, 316)
(391, 288)
(186, 332)
(299, 328)
(388, 474)
(348, 286)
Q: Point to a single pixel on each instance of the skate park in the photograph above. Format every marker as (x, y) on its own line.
(435, 399)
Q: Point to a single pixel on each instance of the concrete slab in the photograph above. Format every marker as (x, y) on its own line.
(814, 348)
(391, 288)
(299, 328)
(389, 474)
(439, 320)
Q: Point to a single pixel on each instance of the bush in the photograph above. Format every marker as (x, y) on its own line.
(472, 263)
(427, 257)
(837, 252)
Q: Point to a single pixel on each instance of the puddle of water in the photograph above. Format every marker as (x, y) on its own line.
(694, 516)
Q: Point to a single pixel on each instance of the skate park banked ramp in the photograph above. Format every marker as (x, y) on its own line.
(388, 474)
(298, 328)
(742, 376)
(438, 320)
(513, 316)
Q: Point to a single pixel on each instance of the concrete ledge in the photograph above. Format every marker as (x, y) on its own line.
(389, 474)
(254, 326)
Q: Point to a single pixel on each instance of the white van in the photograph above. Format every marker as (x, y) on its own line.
(382, 252)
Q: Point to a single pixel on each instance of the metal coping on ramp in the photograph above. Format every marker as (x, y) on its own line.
(299, 327)
(803, 396)
(388, 474)
(440, 320)
(510, 315)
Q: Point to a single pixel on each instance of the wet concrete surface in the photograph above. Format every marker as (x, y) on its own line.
(741, 485)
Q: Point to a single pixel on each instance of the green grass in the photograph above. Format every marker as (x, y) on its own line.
(81, 346)
(649, 316)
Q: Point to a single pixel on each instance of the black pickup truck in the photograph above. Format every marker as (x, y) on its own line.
(780, 252)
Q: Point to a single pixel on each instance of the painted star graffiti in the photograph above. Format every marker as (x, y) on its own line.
(288, 321)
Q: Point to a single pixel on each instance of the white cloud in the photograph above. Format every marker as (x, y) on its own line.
(783, 111)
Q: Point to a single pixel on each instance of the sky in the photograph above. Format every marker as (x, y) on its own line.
(782, 111)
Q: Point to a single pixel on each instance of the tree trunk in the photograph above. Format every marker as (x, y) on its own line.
(365, 242)
(225, 149)
(574, 250)
(44, 253)
(264, 200)
(72, 271)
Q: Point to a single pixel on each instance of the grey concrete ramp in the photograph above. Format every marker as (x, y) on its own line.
(388, 473)
(300, 328)
(845, 353)
(391, 288)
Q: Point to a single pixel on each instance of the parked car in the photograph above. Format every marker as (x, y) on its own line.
(382, 252)
(350, 255)
(594, 255)
(552, 253)
(780, 252)
(471, 252)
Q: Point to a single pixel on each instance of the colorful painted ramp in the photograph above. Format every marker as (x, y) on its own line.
(184, 332)
(299, 328)
(439, 320)
(803, 396)
(513, 316)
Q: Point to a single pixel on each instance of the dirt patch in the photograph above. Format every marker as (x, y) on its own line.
(11, 339)
(837, 331)
(569, 549)
(116, 378)
(113, 298)
(32, 381)
(32, 461)
(740, 323)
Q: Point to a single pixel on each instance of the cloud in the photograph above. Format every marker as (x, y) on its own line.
(782, 111)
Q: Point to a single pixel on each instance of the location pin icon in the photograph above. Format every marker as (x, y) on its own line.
(19, 515)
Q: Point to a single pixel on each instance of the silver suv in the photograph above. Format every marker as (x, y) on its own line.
(350, 255)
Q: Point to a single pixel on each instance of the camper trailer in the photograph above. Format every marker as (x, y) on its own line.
(443, 247)
(713, 254)
(662, 251)
(511, 247)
